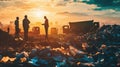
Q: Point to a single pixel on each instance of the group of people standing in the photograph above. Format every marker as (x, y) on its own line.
(25, 24)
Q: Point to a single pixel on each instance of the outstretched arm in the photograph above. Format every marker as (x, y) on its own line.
(43, 24)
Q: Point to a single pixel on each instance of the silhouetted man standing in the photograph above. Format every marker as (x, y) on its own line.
(46, 26)
(17, 27)
(26, 23)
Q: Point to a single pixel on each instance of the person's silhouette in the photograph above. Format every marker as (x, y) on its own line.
(17, 30)
(26, 23)
(1, 25)
(46, 26)
(8, 29)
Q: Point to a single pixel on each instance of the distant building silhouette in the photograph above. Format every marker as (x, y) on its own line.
(17, 30)
(12, 28)
(26, 23)
(46, 26)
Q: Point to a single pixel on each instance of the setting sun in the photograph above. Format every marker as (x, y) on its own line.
(39, 13)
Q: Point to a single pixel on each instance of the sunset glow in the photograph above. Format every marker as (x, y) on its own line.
(60, 11)
(39, 13)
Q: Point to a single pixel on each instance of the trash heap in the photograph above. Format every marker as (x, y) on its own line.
(107, 34)
(94, 49)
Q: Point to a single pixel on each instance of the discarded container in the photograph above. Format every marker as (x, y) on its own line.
(66, 29)
(54, 31)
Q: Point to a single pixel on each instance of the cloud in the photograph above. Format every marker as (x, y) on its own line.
(66, 8)
(59, 2)
(112, 14)
(20, 4)
(116, 8)
(72, 14)
(16, 3)
(104, 4)
(5, 4)
(63, 2)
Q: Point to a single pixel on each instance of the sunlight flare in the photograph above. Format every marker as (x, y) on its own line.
(39, 13)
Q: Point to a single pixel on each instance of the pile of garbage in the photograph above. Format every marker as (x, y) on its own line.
(94, 49)
(107, 34)
(60, 57)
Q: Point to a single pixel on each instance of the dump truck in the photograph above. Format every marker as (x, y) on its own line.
(81, 27)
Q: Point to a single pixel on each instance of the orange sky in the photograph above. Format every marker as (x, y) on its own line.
(59, 12)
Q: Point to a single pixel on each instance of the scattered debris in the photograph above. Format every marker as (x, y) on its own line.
(94, 49)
